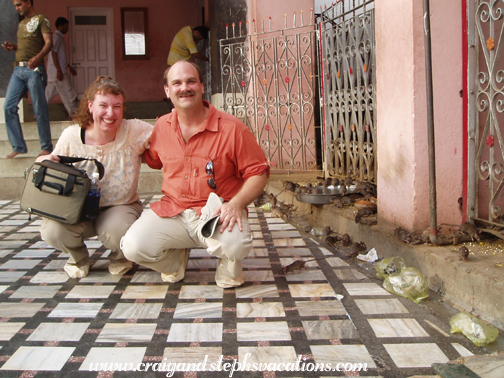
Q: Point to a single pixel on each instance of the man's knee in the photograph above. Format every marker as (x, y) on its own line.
(237, 249)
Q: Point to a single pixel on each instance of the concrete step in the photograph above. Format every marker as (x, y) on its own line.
(12, 170)
(149, 182)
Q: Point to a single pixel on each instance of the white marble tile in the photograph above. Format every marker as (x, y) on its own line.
(59, 332)
(281, 227)
(257, 291)
(126, 333)
(20, 264)
(14, 244)
(38, 358)
(130, 355)
(381, 306)
(335, 261)
(33, 229)
(13, 222)
(320, 308)
(94, 244)
(335, 354)
(100, 276)
(294, 252)
(200, 291)
(349, 275)
(358, 289)
(415, 355)
(50, 277)
(258, 275)
(55, 265)
(8, 330)
(257, 243)
(3, 287)
(197, 276)
(137, 311)
(149, 276)
(329, 329)
(35, 292)
(267, 355)
(486, 366)
(463, 351)
(19, 310)
(40, 245)
(273, 220)
(258, 252)
(187, 358)
(90, 292)
(34, 253)
(260, 310)
(198, 310)
(312, 290)
(195, 332)
(5, 252)
(145, 292)
(202, 264)
(285, 234)
(256, 263)
(11, 276)
(76, 310)
(309, 263)
(289, 242)
(306, 275)
(262, 331)
(397, 328)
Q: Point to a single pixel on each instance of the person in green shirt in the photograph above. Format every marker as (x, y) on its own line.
(34, 42)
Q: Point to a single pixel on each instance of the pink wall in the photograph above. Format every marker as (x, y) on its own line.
(403, 176)
(142, 79)
(258, 9)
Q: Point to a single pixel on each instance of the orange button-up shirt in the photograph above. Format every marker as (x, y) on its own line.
(223, 139)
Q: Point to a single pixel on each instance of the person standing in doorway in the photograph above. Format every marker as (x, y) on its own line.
(183, 46)
(34, 42)
(58, 79)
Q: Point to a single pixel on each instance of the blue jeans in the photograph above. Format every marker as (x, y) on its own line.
(24, 79)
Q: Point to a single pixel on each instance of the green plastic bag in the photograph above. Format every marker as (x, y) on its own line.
(409, 283)
(473, 328)
(389, 266)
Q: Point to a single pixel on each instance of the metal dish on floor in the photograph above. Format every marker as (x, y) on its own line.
(321, 196)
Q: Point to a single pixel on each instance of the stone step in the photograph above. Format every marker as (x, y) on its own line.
(149, 182)
(30, 130)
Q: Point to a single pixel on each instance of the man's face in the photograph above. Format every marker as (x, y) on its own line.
(197, 36)
(22, 7)
(184, 87)
(63, 28)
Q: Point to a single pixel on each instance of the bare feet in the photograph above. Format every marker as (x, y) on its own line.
(44, 152)
(12, 155)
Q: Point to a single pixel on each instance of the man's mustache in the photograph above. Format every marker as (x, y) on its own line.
(187, 93)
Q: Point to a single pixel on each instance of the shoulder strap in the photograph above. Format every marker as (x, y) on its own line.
(70, 160)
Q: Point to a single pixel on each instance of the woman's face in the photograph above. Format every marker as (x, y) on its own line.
(107, 111)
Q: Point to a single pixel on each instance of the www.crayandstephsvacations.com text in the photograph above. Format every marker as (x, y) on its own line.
(228, 366)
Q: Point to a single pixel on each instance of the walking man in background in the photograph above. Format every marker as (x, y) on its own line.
(58, 80)
(34, 41)
(183, 46)
(213, 169)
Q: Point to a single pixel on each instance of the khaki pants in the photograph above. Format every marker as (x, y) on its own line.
(110, 227)
(161, 244)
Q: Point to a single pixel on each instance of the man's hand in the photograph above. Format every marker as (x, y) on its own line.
(8, 46)
(59, 75)
(33, 62)
(230, 214)
(72, 70)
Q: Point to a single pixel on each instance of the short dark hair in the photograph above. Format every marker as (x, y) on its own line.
(198, 69)
(203, 30)
(60, 21)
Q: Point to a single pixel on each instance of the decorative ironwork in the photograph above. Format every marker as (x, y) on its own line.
(268, 81)
(487, 171)
(348, 64)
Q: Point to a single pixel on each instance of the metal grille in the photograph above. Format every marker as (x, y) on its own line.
(486, 111)
(268, 81)
(348, 56)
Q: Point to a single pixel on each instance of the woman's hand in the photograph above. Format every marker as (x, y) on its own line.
(48, 157)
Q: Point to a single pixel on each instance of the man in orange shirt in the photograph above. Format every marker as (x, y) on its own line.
(213, 169)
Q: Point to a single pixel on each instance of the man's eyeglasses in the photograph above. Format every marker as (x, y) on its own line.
(210, 171)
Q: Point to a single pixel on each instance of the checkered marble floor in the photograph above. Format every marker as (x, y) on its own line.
(331, 312)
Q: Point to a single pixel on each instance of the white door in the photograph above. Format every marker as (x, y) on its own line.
(91, 45)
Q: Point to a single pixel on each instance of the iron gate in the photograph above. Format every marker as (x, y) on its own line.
(270, 81)
(486, 112)
(348, 61)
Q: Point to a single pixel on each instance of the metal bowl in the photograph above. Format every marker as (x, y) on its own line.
(320, 195)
